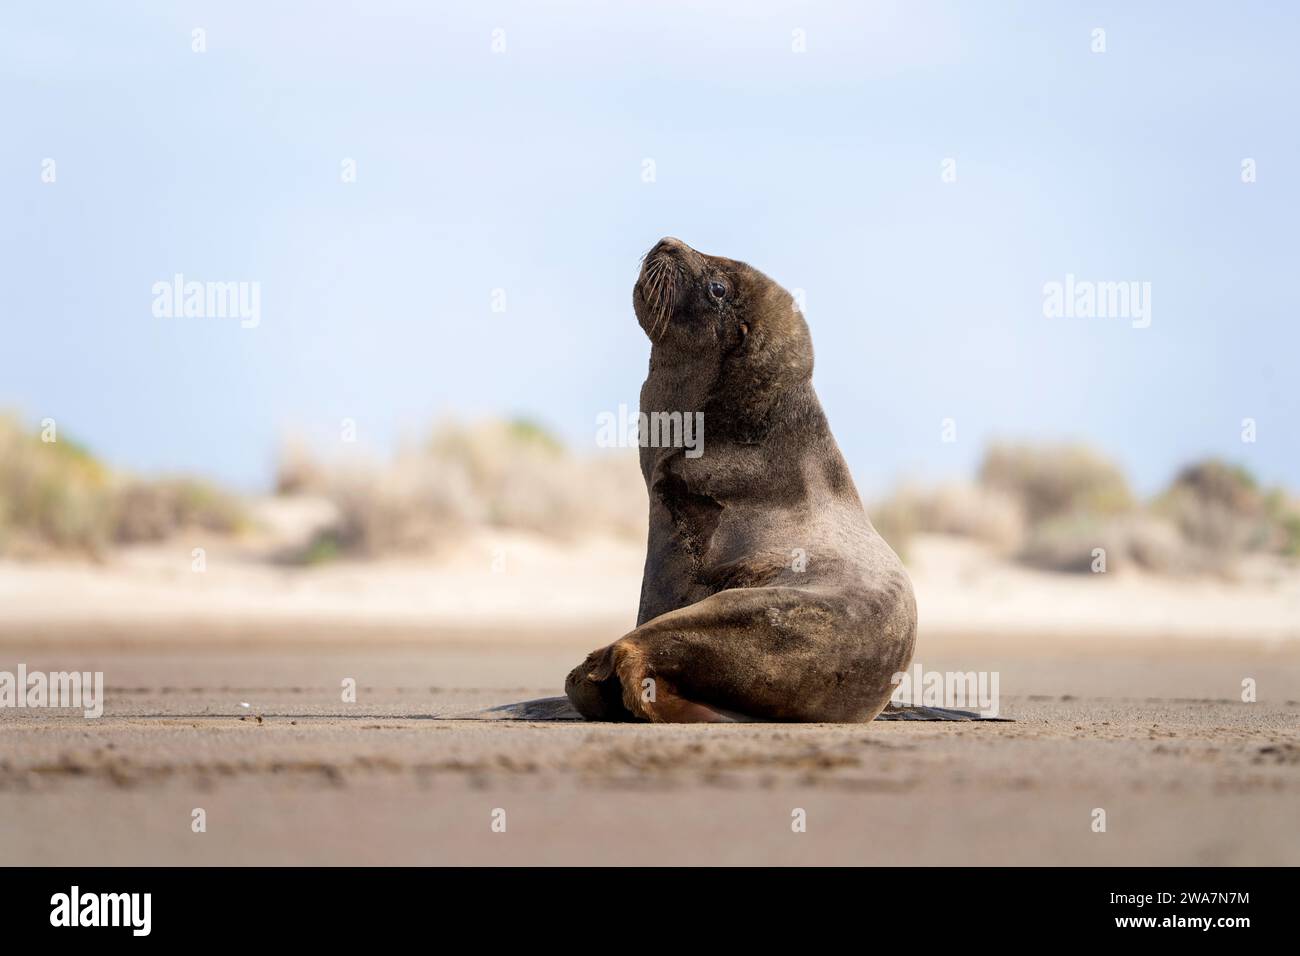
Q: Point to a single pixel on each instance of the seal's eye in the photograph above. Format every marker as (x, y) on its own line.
(717, 289)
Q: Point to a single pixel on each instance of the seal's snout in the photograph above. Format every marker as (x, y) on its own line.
(669, 245)
(658, 287)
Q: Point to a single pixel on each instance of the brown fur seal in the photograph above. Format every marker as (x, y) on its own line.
(733, 624)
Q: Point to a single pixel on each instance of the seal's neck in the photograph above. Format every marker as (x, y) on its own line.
(681, 384)
(760, 411)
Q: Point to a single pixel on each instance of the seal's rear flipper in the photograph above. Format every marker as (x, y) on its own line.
(560, 709)
(543, 708)
(905, 712)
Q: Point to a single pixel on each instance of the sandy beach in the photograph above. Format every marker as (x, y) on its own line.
(241, 714)
(367, 367)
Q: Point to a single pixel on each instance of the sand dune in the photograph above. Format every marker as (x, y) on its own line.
(496, 579)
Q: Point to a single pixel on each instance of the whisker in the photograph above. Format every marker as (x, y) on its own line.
(660, 289)
(662, 301)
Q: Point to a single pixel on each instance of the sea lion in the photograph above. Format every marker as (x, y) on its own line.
(767, 593)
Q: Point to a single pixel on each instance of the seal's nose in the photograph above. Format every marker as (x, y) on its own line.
(669, 244)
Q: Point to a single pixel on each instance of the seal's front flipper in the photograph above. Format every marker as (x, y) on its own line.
(906, 712)
(593, 689)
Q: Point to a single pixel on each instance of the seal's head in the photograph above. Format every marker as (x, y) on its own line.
(696, 307)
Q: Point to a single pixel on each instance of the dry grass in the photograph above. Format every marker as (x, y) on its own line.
(1220, 507)
(155, 510)
(492, 474)
(1051, 507)
(56, 497)
(1054, 480)
(1081, 543)
(969, 511)
(1067, 508)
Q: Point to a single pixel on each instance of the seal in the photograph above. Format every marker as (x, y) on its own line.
(767, 594)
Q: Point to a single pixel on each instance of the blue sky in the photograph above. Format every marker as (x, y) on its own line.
(522, 170)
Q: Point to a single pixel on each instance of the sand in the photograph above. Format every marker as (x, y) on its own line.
(1159, 739)
(1126, 694)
